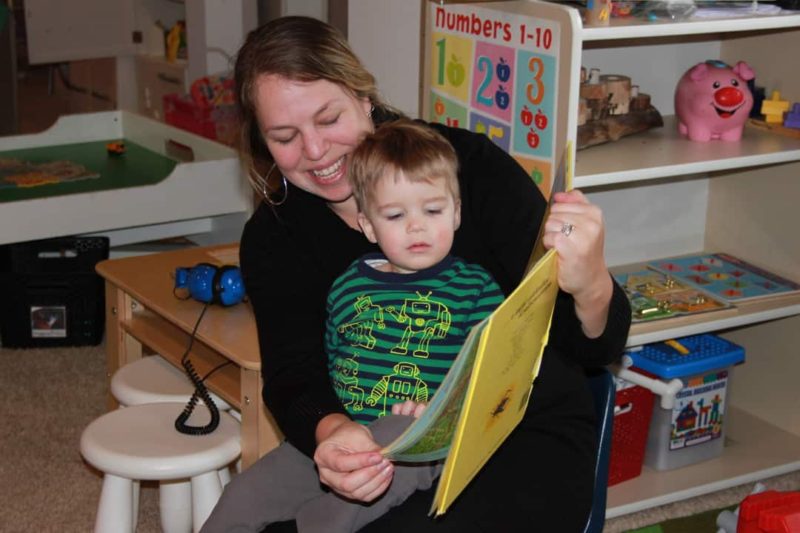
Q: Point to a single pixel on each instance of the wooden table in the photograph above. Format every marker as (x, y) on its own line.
(141, 310)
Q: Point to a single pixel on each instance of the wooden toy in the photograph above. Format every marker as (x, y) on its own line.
(598, 12)
(793, 132)
(611, 107)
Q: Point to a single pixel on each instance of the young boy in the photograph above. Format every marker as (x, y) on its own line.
(396, 319)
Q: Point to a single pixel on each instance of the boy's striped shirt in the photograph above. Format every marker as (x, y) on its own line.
(392, 337)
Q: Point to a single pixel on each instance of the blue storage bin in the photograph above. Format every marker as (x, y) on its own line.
(693, 430)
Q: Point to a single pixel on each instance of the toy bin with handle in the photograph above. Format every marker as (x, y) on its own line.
(633, 409)
(693, 430)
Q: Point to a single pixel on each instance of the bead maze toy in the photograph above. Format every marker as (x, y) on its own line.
(654, 295)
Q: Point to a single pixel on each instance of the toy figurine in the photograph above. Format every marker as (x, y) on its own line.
(115, 148)
(712, 101)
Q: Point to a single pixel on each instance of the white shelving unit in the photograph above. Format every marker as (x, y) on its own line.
(663, 195)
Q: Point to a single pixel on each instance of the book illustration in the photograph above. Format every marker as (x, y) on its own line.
(16, 173)
(655, 295)
(429, 437)
(726, 277)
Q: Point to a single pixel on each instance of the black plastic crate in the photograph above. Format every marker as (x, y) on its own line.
(51, 293)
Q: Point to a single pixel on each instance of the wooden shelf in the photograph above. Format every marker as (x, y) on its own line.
(621, 28)
(754, 450)
(170, 342)
(663, 152)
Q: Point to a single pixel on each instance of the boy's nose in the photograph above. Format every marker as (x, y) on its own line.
(415, 225)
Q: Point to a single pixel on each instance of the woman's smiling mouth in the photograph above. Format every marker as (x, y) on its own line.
(329, 173)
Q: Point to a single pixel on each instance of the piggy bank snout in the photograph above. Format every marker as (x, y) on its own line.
(728, 97)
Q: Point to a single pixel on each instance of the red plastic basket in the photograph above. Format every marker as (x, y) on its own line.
(217, 123)
(633, 410)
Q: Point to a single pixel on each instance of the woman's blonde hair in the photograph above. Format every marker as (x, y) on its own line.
(416, 150)
(298, 49)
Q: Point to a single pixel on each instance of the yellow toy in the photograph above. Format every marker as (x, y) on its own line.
(774, 108)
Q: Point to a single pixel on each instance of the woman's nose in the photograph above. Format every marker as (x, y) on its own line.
(315, 145)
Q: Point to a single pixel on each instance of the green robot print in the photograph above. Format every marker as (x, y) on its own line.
(345, 383)
(423, 319)
(359, 331)
(402, 384)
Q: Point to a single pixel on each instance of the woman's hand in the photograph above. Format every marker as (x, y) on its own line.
(348, 459)
(409, 408)
(575, 229)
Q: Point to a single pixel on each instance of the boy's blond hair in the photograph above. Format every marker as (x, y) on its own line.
(416, 150)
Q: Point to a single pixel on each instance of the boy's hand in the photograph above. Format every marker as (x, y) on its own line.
(409, 408)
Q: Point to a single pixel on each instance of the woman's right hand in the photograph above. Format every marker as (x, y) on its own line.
(349, 461)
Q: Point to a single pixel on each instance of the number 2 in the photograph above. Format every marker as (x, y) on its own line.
(485, 65)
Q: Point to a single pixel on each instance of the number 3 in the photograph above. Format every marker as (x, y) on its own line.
(535, 91)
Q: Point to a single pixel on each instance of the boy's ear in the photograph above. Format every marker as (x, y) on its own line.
(366, 227)
(457, 214)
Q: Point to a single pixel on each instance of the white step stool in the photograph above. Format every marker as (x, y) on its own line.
(140, 442)
(153, 379)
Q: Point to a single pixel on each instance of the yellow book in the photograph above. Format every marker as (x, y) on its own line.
(507, 362)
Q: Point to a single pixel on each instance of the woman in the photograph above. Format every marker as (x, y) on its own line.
(306, 101)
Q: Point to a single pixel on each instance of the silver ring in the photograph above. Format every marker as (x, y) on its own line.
(566, 228)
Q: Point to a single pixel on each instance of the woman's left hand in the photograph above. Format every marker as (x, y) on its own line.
(575, 229)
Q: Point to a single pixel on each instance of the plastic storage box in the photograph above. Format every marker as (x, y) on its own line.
(51, 293)
(693, 430)
(633, 409)
(217, 123)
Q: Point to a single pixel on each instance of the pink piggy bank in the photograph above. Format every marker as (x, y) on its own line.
(712, 101)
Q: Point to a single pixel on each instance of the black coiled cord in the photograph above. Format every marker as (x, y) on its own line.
(200, 392)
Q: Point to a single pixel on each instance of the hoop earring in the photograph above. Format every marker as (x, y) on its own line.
(264, 188)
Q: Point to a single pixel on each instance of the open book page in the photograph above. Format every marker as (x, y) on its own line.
(429, 437)
(507, 362)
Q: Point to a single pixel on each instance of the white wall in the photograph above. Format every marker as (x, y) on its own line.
(310, 8)
(653, 68)
(385, 34)
(215, 31)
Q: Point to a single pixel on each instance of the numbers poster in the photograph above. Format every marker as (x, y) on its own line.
(499, 71)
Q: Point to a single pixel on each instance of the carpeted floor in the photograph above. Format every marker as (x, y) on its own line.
(47, 397)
